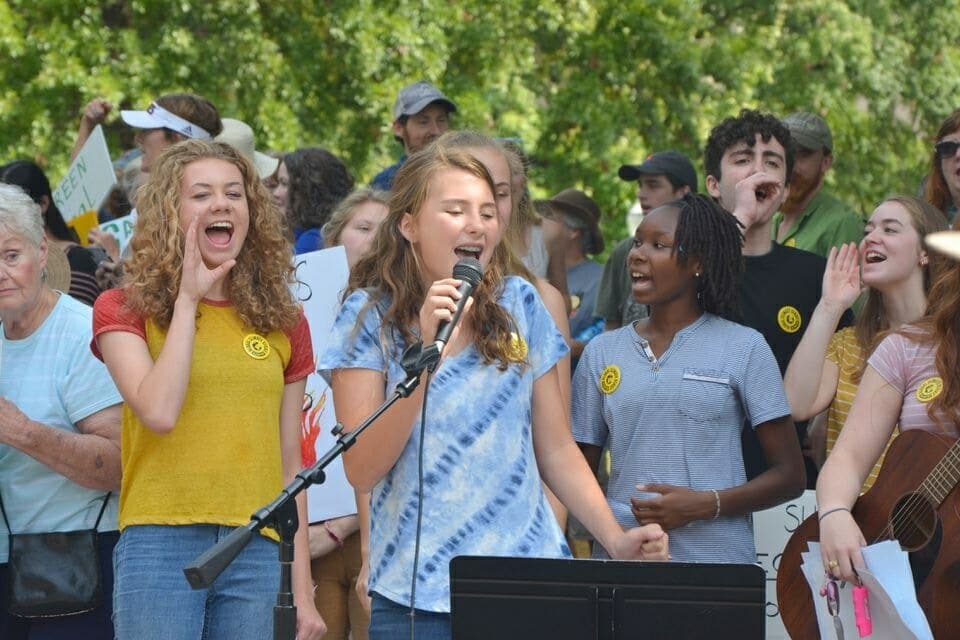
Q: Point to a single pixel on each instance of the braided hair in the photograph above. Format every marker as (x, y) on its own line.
(708, 232)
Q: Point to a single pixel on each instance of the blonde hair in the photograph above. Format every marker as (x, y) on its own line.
(341, 215)
(259, 283)
(391, 272)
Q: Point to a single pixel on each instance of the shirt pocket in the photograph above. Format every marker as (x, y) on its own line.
(704, 393)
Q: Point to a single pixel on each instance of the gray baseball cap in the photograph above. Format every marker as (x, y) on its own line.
(809, 131)
(416, 97)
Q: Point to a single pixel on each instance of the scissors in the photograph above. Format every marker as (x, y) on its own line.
(833, 605)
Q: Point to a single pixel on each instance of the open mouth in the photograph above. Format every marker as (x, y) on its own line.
(220, 233)
(468, 251)
(873, 257)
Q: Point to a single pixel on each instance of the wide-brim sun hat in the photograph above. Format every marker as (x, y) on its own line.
(239, 135)
(58, 268)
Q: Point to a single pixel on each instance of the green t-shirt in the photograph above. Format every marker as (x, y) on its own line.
(825, 223)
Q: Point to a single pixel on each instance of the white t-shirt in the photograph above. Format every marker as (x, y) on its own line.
(53, 378)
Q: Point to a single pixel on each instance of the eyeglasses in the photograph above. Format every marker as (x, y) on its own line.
(947, 148)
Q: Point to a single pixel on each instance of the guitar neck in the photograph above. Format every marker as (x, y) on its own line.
(943, 477)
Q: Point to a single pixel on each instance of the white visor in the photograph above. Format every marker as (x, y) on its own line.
(156, 117)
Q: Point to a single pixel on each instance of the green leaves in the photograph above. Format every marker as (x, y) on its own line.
(586, 85)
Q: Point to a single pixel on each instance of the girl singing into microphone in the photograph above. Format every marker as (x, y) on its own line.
(494, 417)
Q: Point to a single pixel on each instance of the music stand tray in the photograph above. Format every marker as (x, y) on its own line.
(531, 598)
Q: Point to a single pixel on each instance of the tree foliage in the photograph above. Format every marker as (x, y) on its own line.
(586, 85)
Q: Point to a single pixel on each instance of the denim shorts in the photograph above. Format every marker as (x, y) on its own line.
(152, 598)
(391, 621)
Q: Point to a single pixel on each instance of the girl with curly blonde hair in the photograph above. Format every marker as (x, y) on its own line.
(210, 353)
(495, 409)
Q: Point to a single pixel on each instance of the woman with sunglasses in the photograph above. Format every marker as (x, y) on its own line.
(943, 181)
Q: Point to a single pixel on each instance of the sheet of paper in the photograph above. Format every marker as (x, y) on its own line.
(894, 609)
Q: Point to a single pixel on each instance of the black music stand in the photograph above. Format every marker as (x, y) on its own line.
(531, 598)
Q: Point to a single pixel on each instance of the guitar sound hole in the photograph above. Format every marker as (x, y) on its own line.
(914, 521)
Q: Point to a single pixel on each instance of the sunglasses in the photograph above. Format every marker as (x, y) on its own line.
(947, 148)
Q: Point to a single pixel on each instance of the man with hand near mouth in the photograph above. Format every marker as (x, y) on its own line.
(749, 160)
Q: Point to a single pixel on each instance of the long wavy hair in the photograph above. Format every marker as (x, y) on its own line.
(873, 323)
(392, 274)
(258, 284)
(941, 328)
(936, 192)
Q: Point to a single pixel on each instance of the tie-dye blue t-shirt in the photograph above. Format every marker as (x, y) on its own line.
(482, 493)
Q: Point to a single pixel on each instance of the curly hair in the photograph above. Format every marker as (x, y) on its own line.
(872, 323)
(391, 272)
(344, 212)
(318, 182)
(744, 128)
(708, 232)
(941, 328)
(936, 192)
(258, 284)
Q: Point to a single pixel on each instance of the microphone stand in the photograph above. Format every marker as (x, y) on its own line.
(281, 514)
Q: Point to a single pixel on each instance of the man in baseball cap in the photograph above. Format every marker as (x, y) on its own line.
(661, 178)
(420, 115)
(809, 218)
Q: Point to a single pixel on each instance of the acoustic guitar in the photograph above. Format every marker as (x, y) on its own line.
(913, 501)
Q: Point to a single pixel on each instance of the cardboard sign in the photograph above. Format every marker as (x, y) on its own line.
(772, 529)
(322, 276)
(89, 180)
(121, 229)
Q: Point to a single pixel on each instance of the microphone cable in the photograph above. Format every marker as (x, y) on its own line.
(416, 544)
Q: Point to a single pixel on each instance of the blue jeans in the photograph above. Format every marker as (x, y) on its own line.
(152, 598)
(94, 625)
(391, 621)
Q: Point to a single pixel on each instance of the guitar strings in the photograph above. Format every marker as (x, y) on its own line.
(911, 510)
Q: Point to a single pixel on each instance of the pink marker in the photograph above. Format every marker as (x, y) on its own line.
(861, 609)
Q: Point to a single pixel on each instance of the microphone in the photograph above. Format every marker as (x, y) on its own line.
(470, 273)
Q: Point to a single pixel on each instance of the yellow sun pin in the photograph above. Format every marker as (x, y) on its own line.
(610, 379)
(256, 346)
(789, 319)
(929, 389)
(517, 351)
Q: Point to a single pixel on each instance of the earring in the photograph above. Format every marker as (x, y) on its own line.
(923, 261)
(696, 275)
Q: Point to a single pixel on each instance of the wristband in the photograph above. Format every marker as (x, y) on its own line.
(332, 535)
(829, 511)
(716, 496)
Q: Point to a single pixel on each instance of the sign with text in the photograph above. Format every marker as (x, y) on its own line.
(772, 529)
(89, 180)
(121, 229)
(321, 277)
